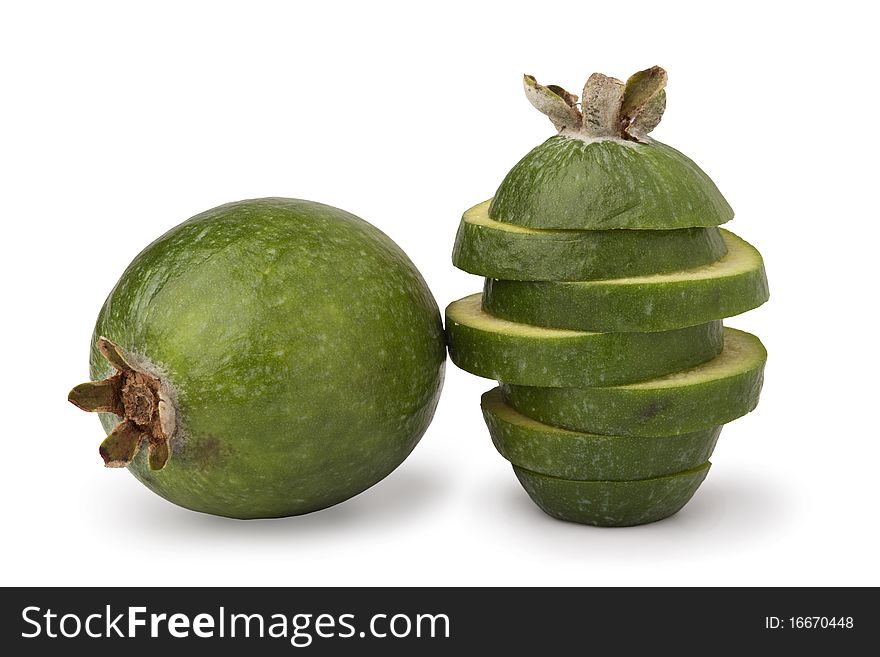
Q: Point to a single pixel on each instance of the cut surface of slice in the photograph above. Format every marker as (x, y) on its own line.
(532, 355)
(708, 395)
(556, 452)
(612, 503)
(730, 286)
(501, 250)
(599, 184)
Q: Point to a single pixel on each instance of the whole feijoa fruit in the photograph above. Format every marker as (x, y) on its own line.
(266, 358)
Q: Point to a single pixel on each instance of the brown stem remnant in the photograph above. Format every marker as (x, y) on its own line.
(608, 108)
(136, 396)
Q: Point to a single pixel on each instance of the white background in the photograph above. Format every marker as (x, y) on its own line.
(119, 121)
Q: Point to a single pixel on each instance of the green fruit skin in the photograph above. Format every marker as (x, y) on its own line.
(612, 503)
(645, 410)
(521, 254)
(306, 351)
(556, 452)
(628, 304)
(577, 358)
(572, 184)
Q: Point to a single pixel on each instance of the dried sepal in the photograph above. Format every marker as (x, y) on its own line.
(559, 107)
(600, 105)
(648, 117)
(114, 354)
(569, 98)
(158, 454)
(121, 446)
(97, 396)
(167, 416)
(639, 91)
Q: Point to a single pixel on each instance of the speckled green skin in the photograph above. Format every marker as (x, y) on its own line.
(567, 454)
(306, 351)
(640, 303)
(568, 183)
(612, 503)
(497, 250)
(513, 353)
(705, 396)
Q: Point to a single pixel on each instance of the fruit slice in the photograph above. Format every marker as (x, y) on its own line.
(572, 183)
(556, 452)
(602, 171)
(501, 250)
(705, 396)
(531, 355)
(612, 503)
(732, 285)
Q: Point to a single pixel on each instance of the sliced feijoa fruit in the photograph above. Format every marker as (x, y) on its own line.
(602, 170)
(732, 285)
(556, 452)
(502, 250)
(702, 397)
(612, 503)
(532, 355)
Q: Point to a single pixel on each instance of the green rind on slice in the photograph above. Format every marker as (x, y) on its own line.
(531, 355)
(711, 394)
(501, 250)
(557, 452)
(732, 285)
(608, 183)
(612, 503)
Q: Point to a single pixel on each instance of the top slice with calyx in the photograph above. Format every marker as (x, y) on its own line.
(602, 171)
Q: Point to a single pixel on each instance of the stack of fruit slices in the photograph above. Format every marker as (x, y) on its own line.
(607, 277)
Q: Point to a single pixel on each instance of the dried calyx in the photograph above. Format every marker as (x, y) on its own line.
(140, 399)
(608, 107)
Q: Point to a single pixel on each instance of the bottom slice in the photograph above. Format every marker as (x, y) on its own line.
(556, 452)
(612, 503)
